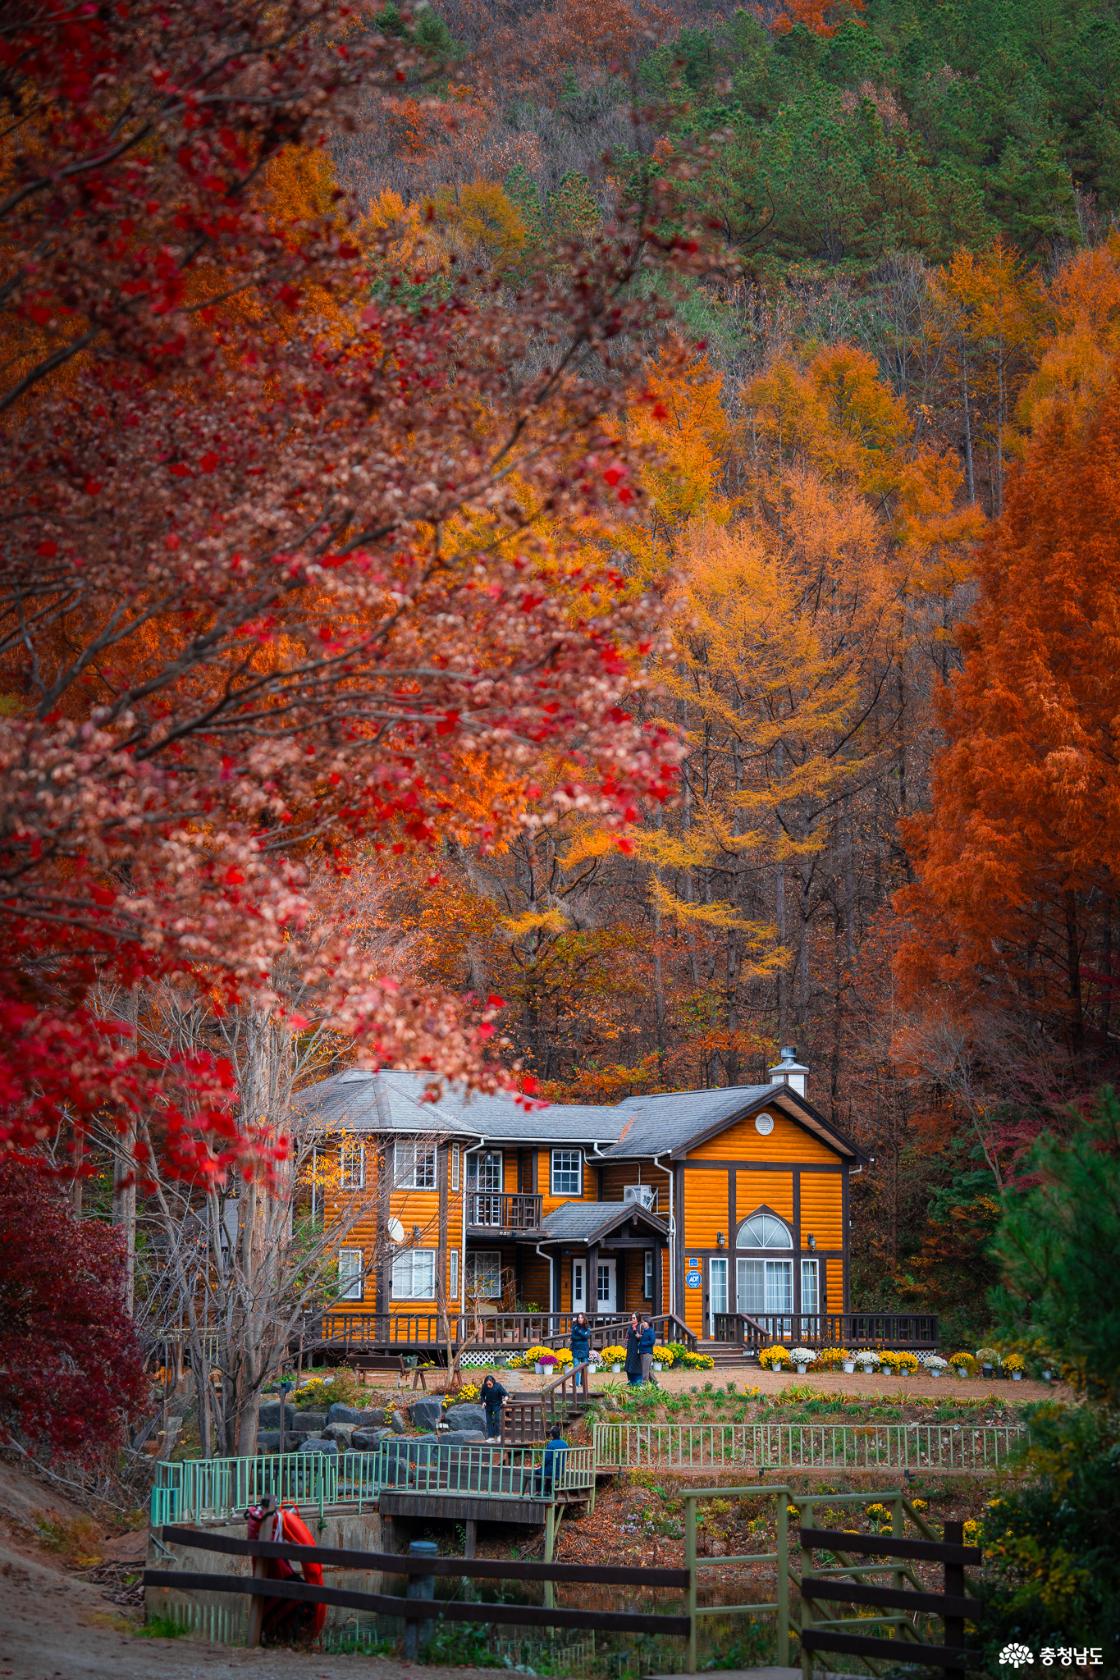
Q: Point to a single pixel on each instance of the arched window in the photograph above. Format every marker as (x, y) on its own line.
(763, 1230)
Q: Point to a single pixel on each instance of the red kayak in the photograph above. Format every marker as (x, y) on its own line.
(284, 1621)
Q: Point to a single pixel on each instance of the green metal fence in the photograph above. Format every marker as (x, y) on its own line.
(216, 1489)
(806, 1446)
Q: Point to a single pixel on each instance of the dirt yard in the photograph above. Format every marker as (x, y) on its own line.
(869, 1387)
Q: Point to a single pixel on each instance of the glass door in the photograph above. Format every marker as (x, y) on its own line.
(764, 1289)
(717, 1291)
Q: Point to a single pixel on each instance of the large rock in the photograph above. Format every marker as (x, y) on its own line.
(372, 1416)
(317, 1444)
(310, 1423)
(466, 1416)
(425, 1414)
(269, 1415)
(365, 1440)
(398, 1423)
(342, 1433)
(339, 1413)
(268, 1440)
(463, 1438)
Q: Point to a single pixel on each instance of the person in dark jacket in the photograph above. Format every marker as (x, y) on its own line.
(492, 1396)
(555, 1452)
(646, 1343)
(634, 1351)
(580, 1345)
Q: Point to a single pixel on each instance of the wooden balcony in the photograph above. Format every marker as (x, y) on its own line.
(341, 1331)
(498, 1211)
(754, 1331)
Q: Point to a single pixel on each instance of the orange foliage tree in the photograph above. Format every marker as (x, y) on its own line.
(1012, 913)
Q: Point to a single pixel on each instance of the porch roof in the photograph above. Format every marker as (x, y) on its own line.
(588, 1222)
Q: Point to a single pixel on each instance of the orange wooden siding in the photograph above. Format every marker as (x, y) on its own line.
(764, 1189)
(834, 1286)
(742, 1141)
(822, 1209)
(706, 1208)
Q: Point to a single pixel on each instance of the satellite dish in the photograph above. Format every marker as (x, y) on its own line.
(396, 1231)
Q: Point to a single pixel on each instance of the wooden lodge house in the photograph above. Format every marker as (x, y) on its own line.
(720, 1214)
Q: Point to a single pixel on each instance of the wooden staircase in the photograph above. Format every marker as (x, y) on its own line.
(726, 1354)
(527, 1418)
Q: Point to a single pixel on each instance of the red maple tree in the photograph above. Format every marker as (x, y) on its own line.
(290, 557)
(71, 1375)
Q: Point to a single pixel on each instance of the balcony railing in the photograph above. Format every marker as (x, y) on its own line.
(353, 1332)
(502, 1210)
(852, 1330)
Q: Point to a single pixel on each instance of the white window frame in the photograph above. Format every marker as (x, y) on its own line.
(491, 1159)
(454, 1289)
(410, 1292)
(763, 1229)
(777, 1286)
(493, 1258)
(647, 1274)
(455, 1153)
(349, 1150)
(577, 1155)
(811, 1269)
(351, 1278)
(409, 1156)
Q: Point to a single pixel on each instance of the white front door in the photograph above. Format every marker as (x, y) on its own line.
(717, 1292)
(606, 1286)
(579, 1286)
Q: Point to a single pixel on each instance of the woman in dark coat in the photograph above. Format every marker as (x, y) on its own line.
(580, 1345)
(492, 1396)
(634, 1351)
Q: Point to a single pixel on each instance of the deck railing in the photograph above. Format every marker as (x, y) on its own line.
(806, 1446)
(217, 1489)
(501, 1210)
(508, 1330)
(852, 1329)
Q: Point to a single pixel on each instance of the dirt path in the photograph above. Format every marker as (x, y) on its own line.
(53, 1627)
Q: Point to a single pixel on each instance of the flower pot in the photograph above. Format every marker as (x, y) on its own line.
(616, 1367)
(657, 1364)
(1016, 1376)
(777, 1365)
(962, 1370)
(1046, 1375)
(849, 1364)
(933, 1370)
(988, 1370)
(801, 1370)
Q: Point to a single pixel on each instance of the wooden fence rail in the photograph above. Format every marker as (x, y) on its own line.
(413, 1609)
(820, 1634)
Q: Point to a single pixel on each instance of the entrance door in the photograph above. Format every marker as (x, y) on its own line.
(579, 1286)
(717, 1291)
(606, 1286)
(764, 1288)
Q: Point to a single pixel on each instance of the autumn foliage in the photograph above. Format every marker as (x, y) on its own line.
(288, 552)
(1017, 866)
(71, 1376)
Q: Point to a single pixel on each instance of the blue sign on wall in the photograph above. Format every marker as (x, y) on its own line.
(692, 1280)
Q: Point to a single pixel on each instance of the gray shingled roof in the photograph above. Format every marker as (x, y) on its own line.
(657, 1125)
(393, 1101)
(583, 1221)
